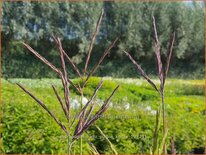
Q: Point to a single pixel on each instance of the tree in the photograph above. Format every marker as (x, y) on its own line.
(131, 22)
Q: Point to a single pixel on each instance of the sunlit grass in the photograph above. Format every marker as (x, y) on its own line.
(25, 124)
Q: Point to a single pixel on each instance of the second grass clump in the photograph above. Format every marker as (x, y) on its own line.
(159, 146)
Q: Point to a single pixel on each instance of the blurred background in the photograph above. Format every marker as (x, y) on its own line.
(74, 22)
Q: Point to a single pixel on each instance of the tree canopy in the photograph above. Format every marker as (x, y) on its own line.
(74, 23)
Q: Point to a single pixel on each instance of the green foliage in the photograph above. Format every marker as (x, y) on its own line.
(130, 93)
(35, 22)
(129, 132)
(27, 128)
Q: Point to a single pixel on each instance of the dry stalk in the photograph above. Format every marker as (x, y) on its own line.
(100, 61)
(92, 40)
(61, 102)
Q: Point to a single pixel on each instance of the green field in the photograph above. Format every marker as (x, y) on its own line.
(128, 123)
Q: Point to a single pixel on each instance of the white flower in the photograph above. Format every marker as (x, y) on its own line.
(149, 109)
(75, 104)
(127, 106)
(84, 101)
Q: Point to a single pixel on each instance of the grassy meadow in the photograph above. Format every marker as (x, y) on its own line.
(129, 122)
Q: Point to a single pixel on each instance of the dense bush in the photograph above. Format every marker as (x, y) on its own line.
(27, 128)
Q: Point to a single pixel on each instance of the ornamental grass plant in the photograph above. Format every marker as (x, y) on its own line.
(84, 117)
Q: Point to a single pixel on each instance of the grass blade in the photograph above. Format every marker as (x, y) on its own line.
(163, 142)
(73, 85)
(93, 149)
(141, 71)
(101, 110)
(80, 126)
(64, 78)
(93, 39)
(100, 61)
(88, 114)
(41, 58)
(155, 30)
(45, 108)
(107, 139)
(158, 56)
(92, 97)
(156, 132)
(169, 57)
(96, 116)
(61, 102)
(73, 65)
(58, 43)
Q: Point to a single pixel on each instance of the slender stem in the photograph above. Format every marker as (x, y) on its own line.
(107, 139)
(81, 145)
(81, 102)
(69, 147)
(163, 118)
(69, 140)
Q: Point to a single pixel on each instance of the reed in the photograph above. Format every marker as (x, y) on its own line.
(84, 118)
(158, 147)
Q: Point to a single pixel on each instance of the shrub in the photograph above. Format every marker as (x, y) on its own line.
(184, 114)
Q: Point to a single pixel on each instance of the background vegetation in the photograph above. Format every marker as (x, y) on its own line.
(35, 22)
(28, 129)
